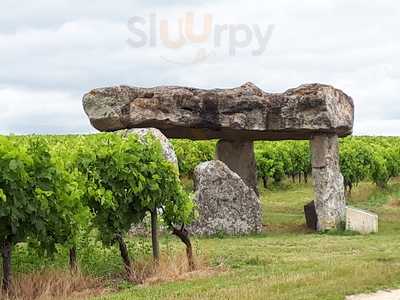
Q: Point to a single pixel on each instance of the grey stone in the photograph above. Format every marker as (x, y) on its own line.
(379, 295)
(361, 221)
(143, 229)
(166, 145)
(242, 113)
(311, 215)
(330, 201)
(225, 203)
(239, 157)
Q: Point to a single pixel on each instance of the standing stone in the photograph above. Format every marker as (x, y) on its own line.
(167, 148)
(361, 221)
(311, 215)
(225, 203)
(330, 203)
(239, 157)
(144, 228)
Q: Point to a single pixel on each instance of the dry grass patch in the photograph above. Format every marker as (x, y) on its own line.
(57, 284)
(54, 284)
(394, 202)
(173, 268)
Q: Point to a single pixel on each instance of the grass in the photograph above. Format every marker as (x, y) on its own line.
(54, 284)
(286, 262)
(289, 261)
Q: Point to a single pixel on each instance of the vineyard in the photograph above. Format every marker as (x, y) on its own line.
(361, 158)
(54, 190)
(57, 191)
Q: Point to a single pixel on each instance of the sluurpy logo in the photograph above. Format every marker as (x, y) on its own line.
(230, 38)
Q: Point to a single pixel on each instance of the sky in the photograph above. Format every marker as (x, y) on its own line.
(54, 51)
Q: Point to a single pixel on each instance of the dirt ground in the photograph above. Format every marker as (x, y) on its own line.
(381, 295)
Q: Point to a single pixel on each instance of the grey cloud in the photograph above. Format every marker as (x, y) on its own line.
(42, 14)
(65, 48)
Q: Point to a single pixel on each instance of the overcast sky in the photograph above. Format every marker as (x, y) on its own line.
(53, 51)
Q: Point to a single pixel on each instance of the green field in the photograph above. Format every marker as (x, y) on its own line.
(288, 262)
(75, 175)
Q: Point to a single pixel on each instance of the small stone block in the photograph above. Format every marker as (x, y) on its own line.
(361, 221)
(311, 215)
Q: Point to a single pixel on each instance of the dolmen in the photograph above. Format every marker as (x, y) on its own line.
(237, 117)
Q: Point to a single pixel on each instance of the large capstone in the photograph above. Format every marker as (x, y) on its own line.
(225, 203)
(244, 113)
(330, 203)
(239, 157)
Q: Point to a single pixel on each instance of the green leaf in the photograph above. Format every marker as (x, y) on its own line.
(3, 197)
(13, 165)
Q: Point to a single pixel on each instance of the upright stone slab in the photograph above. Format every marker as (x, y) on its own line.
(239, 157)
(224, 202)
(330, 204)
(311, 215)
(167, 148)
(143, 229)
(361, 221)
